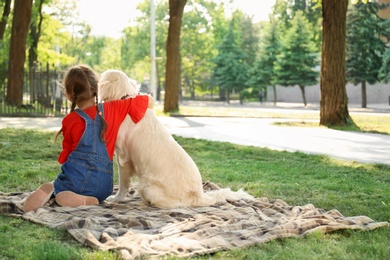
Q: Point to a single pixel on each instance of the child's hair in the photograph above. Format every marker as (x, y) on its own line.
(81, 83)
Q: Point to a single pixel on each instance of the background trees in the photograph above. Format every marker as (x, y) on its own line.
(297, 60)
(262, 74)
(366, 33)
(230, 71)
(224, 54)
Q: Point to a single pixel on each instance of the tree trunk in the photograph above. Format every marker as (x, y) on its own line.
(334, 100)
(364, 94)
(172, 75)
(17, 53)
(158, 97)
(35, 33)
(275, 97)
(303, 94)
(222, 94)
(4, 18)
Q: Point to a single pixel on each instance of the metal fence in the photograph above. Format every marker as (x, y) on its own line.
(42, 93)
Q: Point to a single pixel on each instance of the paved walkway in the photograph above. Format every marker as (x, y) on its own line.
(352, 146)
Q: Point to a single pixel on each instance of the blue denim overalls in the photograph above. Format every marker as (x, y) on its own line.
(88, 170)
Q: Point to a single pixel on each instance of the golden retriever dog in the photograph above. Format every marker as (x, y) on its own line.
(167, 175)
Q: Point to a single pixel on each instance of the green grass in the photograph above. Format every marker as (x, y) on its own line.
(29, 158)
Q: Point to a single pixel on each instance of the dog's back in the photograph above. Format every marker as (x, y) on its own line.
(166, 172)
(168, 177)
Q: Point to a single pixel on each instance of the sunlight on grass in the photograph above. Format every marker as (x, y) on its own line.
(234, 112)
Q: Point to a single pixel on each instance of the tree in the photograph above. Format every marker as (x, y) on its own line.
(230, 71)
(35, 32)
(365, 46)
(334, 100)
(135, 47)
(248, 36)
(4, 43)
(65, 11)
(285, 10)
(298, 58)
(220, 27)
(384, 72)
(20, 25)
(51, 42)
(262, 74)
(197, 46)
(172, 74)
(4, 18)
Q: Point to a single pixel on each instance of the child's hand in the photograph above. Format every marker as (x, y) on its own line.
(151, 102)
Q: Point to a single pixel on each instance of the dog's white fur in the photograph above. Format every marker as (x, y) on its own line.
(167, 175)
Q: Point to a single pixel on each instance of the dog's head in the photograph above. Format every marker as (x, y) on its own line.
(114, 84)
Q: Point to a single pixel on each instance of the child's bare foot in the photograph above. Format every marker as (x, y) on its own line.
(71, 199)
(39, 197)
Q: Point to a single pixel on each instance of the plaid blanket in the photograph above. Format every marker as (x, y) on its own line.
(137, 230)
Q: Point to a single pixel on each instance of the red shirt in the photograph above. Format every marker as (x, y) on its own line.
(73, 125)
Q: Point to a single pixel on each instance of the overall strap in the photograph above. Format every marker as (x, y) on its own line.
(83, 115)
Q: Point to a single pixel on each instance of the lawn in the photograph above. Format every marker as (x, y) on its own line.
(28, 158)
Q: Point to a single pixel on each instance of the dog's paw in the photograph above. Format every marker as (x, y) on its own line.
(114, 198)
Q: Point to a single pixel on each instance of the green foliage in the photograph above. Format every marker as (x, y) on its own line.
(230, 71)
(249, 37)
(102, 53)
(285, 10)
(135, 47)
(262, 74)
(297, 60)
(384, 72)
(197, 47)
(365, 48)
(67, 35)
(51, 42)
(215, 52)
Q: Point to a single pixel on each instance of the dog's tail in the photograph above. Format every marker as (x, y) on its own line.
(214, 194)
(226, 194)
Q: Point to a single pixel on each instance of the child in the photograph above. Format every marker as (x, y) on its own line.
(90, 133)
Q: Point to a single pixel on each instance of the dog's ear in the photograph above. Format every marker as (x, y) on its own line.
(134, 86)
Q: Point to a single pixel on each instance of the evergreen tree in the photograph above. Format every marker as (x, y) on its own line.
(298, 59)
(365, 48)
(262, 74)
(384, 72)
(230, 71)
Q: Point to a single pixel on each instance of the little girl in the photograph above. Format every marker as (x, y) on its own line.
(89, 133)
